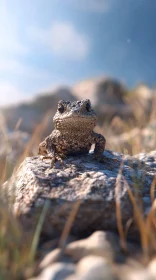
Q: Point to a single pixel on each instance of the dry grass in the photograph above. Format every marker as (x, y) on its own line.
(135, 135)
(14, 248)
(145, 224)
(18, 253)
(17, 249)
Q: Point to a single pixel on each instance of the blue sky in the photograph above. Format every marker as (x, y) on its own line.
(49, 42)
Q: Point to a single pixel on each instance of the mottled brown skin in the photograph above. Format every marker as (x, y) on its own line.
(73, 134)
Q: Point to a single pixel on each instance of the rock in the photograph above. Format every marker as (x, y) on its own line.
(142, 100)
(137, 274)
(56, 255)
(132, 269)
(100, 243)
(50, 258)
(58, 271)
(93, 267)
(152, 268)
(96, 186)
(107, 97)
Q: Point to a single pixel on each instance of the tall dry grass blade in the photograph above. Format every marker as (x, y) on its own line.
(3, 161)
(38, 231)
(153, 111)
(69, 224)
(3, 173)
(151, 226)
(151, 215)
(153, 189)
(3, 126)
(17, 126)
(14, 248)
(128, 225)
(118, 211)
(141, 223)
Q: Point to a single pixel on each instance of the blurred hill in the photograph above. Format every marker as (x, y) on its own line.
(107, 97)
(32, 113)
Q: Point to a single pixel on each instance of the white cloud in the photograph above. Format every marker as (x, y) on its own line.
(20, 81)
(12, 66)
(10, 94)
(63, 40)
(9, 32)
(11, 45)
(15, 67)
(96, 6)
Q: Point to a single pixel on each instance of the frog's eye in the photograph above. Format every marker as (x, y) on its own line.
(88, 107)
(61, 108)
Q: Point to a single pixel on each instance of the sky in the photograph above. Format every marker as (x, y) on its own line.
(44, 43)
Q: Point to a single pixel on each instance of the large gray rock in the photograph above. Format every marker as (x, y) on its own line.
(95, 185)
(101, 243)
(93, 268)
(152, 268)
(58, 271)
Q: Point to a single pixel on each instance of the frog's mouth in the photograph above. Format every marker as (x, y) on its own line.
(75, 116)
(78, 122)
(76, 119)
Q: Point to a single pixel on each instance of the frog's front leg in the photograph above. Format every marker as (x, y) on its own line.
(42, 149)
(48, 151)
(100, 143)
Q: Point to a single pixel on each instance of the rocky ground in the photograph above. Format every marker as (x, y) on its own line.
(91, 228)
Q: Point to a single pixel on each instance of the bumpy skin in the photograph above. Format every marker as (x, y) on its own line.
(73, 134)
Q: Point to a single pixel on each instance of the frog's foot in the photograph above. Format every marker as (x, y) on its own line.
(54, 158)
(42, 149)
(60, 158)
(46, 157)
